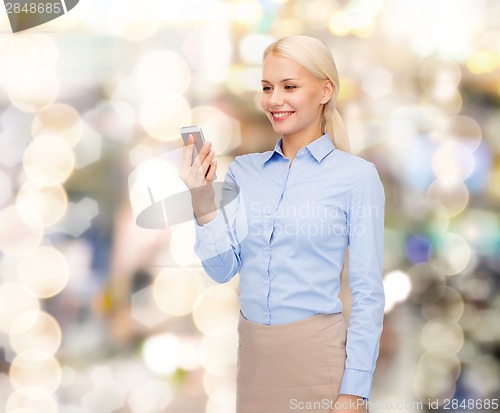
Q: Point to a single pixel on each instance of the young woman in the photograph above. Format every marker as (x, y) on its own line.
(287, 217)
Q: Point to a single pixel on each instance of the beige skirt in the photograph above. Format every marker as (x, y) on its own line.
(290, 367)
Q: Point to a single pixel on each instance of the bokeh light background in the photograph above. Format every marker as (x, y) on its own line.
(98, 315)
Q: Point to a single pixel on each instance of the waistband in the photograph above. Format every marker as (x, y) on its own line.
(295, 329)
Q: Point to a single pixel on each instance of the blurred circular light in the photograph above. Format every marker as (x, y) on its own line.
(163, 70)
(434, 382)
(41, 205)
(441, 335)
(15, 300)
(222, 399)
(130, 20)
(465, 130)
(339, 24)
(45, 334)
(442, 302)
(481, 228)
(397, 287)
(246, 12)
(427, 216)
(494, 184)
(162, 115)
(215, 307)
(17, 237)
(47, 48)
(31, 400)
(483, 61)
(439, 78)
(209, 50)
(446, 361)
(181, 241)
(244, 79)
(48, 160)
(288, 27)
(34, 92)
(140, 153)
(412, 153)
(161, 353)
(36, 370)
(155, 180)
(61, 120)
(351, 22)
(440, 111)
(211, 382)
(477, 289)
(115, 119)
(223, 131)
(175, 290)
(485, 328)
(454, 197)
(5, 187)
(189, 358)
(377, 82)
(492, 129)
(20, 54)
(45, 271)
(423, 276)
(151, 396)
(481, 376)
(417, 249)
(453, 162)
(218, 351)
(252, 47)
(451, 254)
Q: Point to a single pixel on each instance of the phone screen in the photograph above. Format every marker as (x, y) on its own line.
(199, 140)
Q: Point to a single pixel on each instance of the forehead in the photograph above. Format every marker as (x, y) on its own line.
(276, 68)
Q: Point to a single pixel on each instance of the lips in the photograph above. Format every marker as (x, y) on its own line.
(277, 116)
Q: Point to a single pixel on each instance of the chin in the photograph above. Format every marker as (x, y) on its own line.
(282, 130)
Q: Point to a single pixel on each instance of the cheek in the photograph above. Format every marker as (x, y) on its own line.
(263, 102)
(309, 102)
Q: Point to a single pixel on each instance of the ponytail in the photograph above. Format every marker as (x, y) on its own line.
(333, 124)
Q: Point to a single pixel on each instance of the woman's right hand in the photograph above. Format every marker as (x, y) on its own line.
(198, 181)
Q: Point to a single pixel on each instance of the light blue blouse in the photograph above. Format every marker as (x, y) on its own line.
(286, 230)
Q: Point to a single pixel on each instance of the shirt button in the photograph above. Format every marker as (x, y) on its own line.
(267, 248)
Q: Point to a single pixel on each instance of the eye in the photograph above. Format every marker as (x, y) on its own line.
(290, 87)
(266, 88)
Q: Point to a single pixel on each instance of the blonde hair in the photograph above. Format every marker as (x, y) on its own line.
(315, 56)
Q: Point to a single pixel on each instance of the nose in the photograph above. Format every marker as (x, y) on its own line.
(276, 98)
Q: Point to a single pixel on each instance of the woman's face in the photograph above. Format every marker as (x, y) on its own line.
(293, 98)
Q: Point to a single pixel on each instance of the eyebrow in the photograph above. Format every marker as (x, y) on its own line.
(282, 81)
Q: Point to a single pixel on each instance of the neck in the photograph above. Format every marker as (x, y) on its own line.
(291, 144)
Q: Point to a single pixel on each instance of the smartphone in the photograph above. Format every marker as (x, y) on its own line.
(199, 140)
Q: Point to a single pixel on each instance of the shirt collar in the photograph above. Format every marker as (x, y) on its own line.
(318, 148)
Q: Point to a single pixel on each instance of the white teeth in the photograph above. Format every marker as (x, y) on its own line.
(281, 114)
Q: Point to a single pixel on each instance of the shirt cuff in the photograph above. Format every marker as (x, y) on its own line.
(356, 382)
(211, 226)
(211, 238)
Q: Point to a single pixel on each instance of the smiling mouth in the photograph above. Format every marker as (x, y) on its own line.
(281, 115)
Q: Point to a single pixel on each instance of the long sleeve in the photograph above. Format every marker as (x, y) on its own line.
(216, 243)
(366, 243)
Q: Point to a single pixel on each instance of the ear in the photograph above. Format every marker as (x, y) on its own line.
(328, 89)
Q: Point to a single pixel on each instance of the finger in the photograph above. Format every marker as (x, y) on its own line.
(211, 171)
(206, 163)
(188, 152)
(199, 159)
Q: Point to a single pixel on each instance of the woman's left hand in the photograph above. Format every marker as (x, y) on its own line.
(348, 403)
